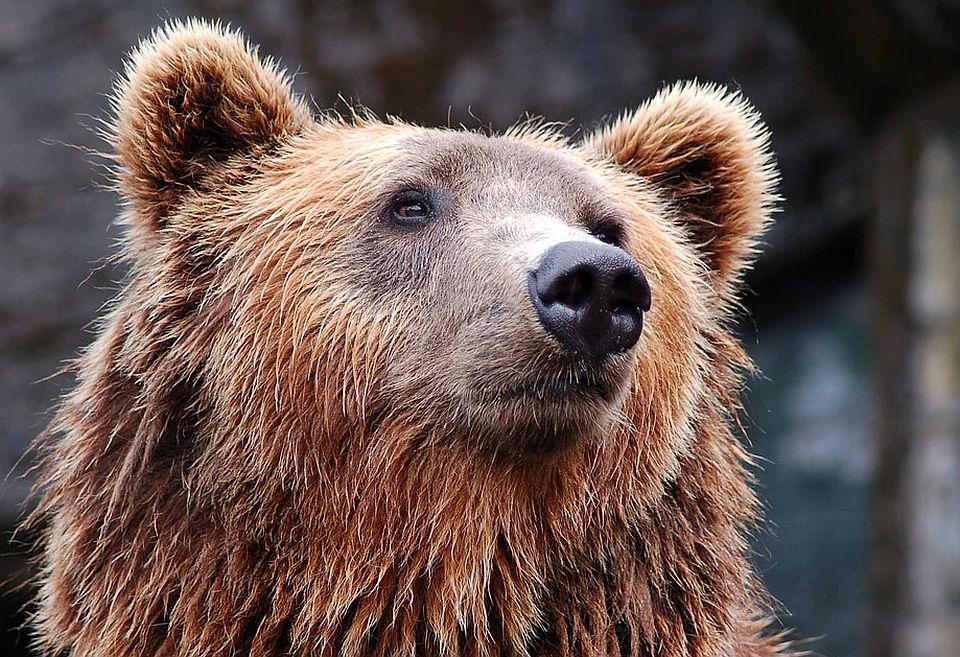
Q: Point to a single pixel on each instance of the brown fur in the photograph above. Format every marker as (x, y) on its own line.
(284, 439)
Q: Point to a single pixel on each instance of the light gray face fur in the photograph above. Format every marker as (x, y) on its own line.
(479, 354)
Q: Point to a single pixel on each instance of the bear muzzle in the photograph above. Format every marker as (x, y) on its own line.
(591, 297)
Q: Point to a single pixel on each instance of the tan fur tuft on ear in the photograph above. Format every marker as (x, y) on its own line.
(707, 151)
(192, 95)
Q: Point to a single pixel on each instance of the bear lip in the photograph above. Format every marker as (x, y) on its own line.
(559, 388)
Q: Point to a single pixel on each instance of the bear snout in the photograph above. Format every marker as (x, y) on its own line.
(591, 297)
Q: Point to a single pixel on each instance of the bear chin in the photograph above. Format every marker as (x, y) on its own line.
(553, 438)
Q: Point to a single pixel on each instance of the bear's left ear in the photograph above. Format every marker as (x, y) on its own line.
(193, 95)
(708, 153)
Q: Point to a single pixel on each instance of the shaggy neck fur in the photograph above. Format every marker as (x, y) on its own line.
(412, 554)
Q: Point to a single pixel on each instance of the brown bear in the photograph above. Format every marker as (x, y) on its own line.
(377, 389)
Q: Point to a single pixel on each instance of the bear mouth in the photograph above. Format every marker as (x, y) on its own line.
(544, 413)
(565, 385)
(556, 389)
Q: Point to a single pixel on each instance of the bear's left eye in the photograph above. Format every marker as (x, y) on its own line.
(410, 208)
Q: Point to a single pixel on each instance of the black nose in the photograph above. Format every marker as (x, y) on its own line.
(591, 297)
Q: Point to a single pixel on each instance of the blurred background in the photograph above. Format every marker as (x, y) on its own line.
(854, 307)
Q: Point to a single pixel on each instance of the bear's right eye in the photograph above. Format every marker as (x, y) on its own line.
(410, 208)
(608, 231)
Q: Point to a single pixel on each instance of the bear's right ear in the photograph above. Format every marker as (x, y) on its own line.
(192, 96)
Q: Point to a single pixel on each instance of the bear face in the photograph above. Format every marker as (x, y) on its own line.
(446, 298)
(373, 388)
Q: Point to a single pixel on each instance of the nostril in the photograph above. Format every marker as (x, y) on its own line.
(572, 289)
(622, 305)
(629, 291)
(621, 300)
